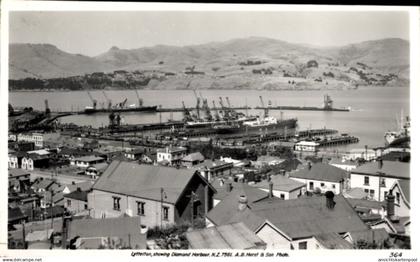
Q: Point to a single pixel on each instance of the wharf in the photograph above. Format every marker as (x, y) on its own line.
(303, 108)
(338, 141)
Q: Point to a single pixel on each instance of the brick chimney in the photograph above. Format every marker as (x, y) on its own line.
(242, 203)
(390, 205)
(329, 197)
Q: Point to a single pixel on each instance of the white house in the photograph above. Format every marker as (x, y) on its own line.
(325, 177)
(282, 187)
(171, 155)
(344, 164)
(306, 146)
(377, 178)
(401, 190)
(86, 161)
(361, 153)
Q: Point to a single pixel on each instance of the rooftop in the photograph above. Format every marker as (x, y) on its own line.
(171, 149)
(389, 168)
(89, 158)
(305, 217)
(17, 172)
(213, 164)
(280, 183)
(125, 228)
(78, 195)
(321, 172)
(231, 236)
(144, 181)
(333, 241)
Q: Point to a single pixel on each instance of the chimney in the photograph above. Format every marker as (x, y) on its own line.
(79, 189)
(390, 205)
(73, 183)
(243, 203)
(329, 197)
(380, 163)
(229, 186)
(270, 189)
(309, 165)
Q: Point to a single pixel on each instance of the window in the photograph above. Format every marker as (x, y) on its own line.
(366, 190)
(385, 193)
(282, 196)
(303, 245)
(68, 202)
(366, 180)
(333, 186)
(311, 185)
(165, 213)
(116, 203)
(86, 206)
(371, 192)
(382, 182)
(140, 208)
(398, 197)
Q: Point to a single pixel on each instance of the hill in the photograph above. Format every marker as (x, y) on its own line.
(253, 63)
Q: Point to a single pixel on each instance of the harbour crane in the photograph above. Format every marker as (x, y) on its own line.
(225, 113)
(108, 100)
(198, 104)
(231, 111)
(187, 114)
(263, 106)
(216, 112)
(138, 98)
(94, 102)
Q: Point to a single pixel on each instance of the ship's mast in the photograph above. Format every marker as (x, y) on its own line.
(263, 106)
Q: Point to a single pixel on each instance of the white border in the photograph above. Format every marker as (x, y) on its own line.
(108, 255)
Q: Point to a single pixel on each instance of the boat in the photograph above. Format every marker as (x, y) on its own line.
(393, 138)
(92, 110)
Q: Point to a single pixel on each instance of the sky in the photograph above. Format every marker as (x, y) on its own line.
(92, 33)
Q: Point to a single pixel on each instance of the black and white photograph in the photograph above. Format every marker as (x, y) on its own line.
(249, 128)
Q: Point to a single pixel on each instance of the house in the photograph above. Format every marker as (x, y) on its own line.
(161, 196)
(231, 236)
(292, 224)
(306, 146)
(282, 187)
(36, 159)
(401, 191)
(325, 177)
(84, 186)
(86, 161)
(344, 164)
(267, 161)
(41, 185)
(76, 201)
(19, 180)
(235, 162)
(377, 178)
(37, 138)
(95, 170)
(361, 153)
(134, 154)
(379, 236)
(229, 190)
(171, 155)
(192, 159)
(368, 210)
(108, 233)
(214, 168)
(149, 158)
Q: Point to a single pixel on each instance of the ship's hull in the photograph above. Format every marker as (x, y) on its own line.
(305, 108)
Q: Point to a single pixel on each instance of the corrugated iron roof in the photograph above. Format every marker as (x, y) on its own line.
(321, 172)
(144, 181)
(389, 168)
(280, 183)
(231, 236)
(333, 241)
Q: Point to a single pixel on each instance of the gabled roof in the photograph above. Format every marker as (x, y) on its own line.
(305, 217)
(197, 156)
(280, 183)
(404, 187)
(126, 228)
(145, 181)
(172, 149)
(356, 192)
(333, 241)
(321, 172)
(354, 202)
(389, 168)
(231, 236)
(84, 186)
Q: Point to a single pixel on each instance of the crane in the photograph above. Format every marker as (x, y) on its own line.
(138, 98)
(231, 111)
(225, 113)
(93, 100)
(263, 106)
(187, 114)
(109, 100)
(216, 114)
(198, 103)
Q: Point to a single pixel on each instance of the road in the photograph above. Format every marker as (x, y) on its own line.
(63, 179)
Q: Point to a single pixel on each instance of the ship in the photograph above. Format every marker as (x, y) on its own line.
(402, 136)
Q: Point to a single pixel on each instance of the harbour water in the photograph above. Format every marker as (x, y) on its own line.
(374, 110)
